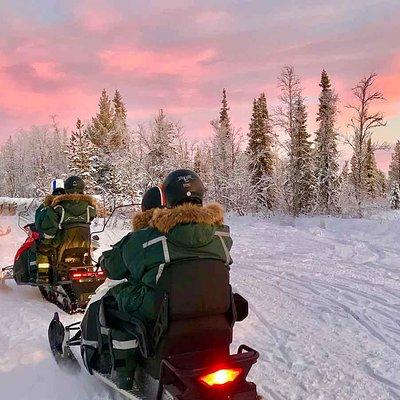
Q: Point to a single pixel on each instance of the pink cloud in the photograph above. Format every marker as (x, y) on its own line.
(173, 62)
(48, 70)
(97, 16)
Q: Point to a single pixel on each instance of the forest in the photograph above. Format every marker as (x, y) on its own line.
(276, 165)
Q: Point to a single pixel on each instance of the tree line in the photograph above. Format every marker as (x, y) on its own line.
(277, 168)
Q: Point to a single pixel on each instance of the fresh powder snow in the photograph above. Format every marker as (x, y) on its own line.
(324, 298)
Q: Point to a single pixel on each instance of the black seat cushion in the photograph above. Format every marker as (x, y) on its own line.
(196, 288)
(191, 335)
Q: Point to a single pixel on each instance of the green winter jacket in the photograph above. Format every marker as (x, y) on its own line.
(184, 232)
(113, 260)
(66, 209)
(41, 211)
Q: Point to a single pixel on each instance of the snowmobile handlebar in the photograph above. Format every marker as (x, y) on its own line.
(111, 215)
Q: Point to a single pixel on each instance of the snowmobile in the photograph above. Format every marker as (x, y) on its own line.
(73, 277)
(185, 356)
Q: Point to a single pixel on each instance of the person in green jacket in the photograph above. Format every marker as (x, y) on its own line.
(184, 230)
(72, 208)
(57, 186)
(113, 260)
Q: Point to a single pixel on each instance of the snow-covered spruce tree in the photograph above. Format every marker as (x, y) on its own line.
(241, 195)
(10, 170)
(326, 153)
(101, 127)
(119, 132)
(291, 117)
(45, 157)
(223, 148)
(80, 153)
(394, 168)
(301, 177)
(370, 172)
(289, 85)
(202, 164)
(160, 141)
(363, 124)
(395, 196)
(108, 133)
(260, 152)
(382, 183)
(346, 190)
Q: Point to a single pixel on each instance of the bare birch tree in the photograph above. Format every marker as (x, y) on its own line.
(363, 124)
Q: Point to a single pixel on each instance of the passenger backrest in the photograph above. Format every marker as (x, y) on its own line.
(199, 301)
(75, 243)
(196, 288)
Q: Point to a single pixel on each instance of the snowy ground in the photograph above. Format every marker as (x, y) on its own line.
(325, 312)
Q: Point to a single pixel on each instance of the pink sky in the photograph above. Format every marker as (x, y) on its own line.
(56, 57)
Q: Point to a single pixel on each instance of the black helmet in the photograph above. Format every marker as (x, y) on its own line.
(74, 184)
(153, 198)
(183, 186)
(58, 191)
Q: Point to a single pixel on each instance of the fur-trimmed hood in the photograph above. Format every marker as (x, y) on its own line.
(142, 219)
(74, 197)
(165, 219)
(48, 200)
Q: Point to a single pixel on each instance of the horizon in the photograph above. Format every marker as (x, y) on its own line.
(56, 59)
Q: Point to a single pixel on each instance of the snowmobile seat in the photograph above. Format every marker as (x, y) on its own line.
(75, 243)
(195, 313)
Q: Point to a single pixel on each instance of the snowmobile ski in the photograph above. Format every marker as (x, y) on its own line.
(59, 346)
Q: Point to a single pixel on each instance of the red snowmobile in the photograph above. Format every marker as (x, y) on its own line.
(73, 277)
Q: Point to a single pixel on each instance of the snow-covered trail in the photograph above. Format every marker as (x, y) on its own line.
(325, 305)
(324, 313)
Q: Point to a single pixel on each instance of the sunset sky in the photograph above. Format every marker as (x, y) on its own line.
(56, 56)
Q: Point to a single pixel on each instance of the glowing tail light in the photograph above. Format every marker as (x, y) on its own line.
(86, 274)
(220, 377)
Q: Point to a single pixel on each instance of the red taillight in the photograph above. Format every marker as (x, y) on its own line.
(86, 274)
(221, 377)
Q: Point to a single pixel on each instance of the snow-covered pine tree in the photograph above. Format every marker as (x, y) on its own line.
(260, 152)
(394, 168)
(395, 196)
(223, 149)
(382, 183)
(102, 124)
(108, 132)
(326, 153)
(301, 177)
(370, 171)
(347, 201)
(160, 141)
(202, 164)
(10, 171)
(80, 154)
(224, 120)
(241, 195)
(284, 118)
(119, 132)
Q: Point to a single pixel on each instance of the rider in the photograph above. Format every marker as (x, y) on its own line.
(184, 230)
(113, 260)
(73, 207)
(57, 187)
